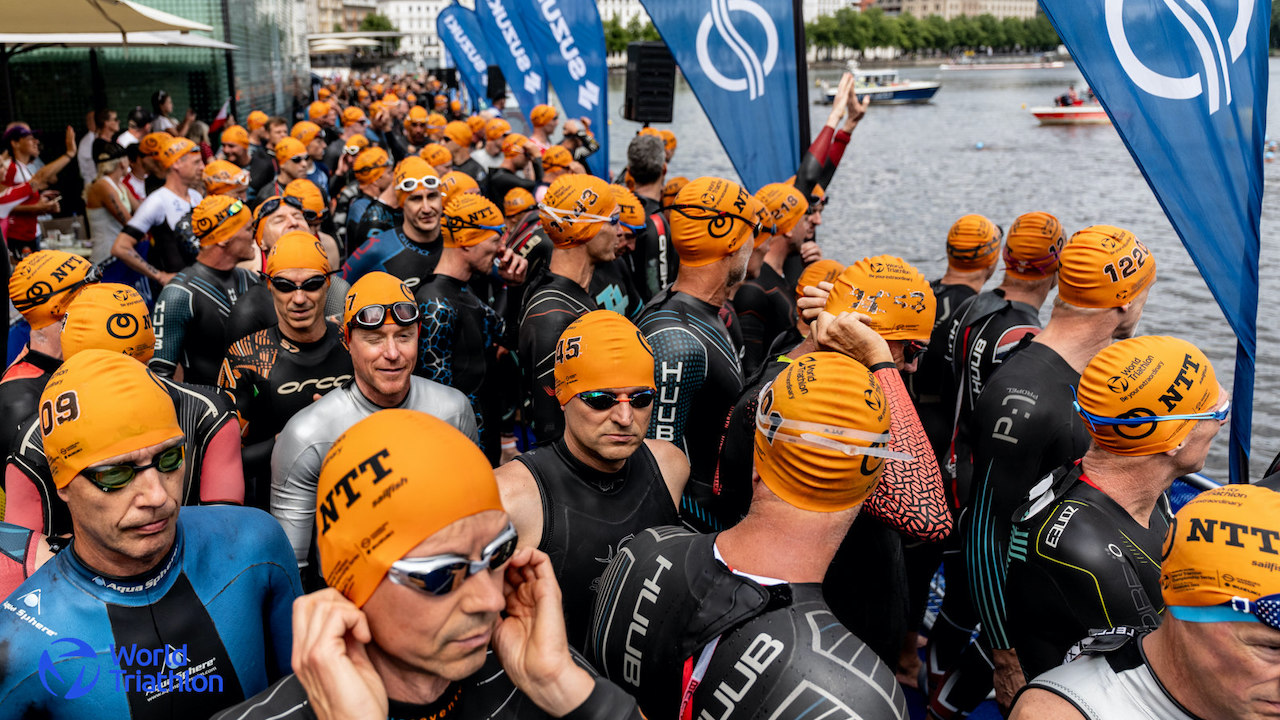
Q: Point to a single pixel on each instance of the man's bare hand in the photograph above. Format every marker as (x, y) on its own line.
(813, 301)
(850, 334)
(329, 638)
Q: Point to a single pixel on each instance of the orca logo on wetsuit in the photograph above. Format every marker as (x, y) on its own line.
(327, 383)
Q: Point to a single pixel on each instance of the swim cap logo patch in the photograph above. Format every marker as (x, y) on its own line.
(123, 326)
(1117, 384)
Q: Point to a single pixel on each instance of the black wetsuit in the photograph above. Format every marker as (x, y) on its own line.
(20, 390)
(475, 170)
(1079, 562)
(669, 611)
(255, 310)
(530, 242)
(501, 181)
(699, 380)
(933, 385)
(190, 319)
(588, 515)
(1025, 427)
(207, 476)
(613, 289)
(377, 218)
(657, 264)
(456, 347)
(392, 252)
(766, 308)
(550, 306)
(487, 695)
(271, 378)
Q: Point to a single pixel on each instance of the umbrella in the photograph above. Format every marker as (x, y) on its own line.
(135, 39)
(91, 16)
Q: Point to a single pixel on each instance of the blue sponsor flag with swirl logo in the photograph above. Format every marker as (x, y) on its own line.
(515, 54)
(569, 37)
(459, 30)
(1185, 84)
(739, 57)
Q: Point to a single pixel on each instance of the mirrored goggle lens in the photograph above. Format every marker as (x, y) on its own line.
(374, 316)
(285, 285)
(114, 477)
(603, 400)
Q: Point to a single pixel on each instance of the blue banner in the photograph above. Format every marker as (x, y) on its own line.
(1185, 83)
(460, 32)
(515, 54)
(739, 57)
(569, 37)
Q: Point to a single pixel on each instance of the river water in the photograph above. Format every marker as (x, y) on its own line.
(910, 171)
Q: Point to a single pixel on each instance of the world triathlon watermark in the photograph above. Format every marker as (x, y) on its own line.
(70, 668)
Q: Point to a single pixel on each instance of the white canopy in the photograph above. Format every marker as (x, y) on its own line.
(90, 16)
(136, 39)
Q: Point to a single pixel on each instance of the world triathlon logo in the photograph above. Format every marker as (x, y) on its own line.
(1216, 59)
(751, 71)
(69, 669)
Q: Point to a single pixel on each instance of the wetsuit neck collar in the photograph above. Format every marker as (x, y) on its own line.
(218, 272)
(136, 590)
(44, 363)
(605, 482)
(441, 709)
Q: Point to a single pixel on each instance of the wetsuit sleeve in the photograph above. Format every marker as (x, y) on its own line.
(910, 496)
(436, 339)
(810, 169)
(295, 471)
(221, 470)
(171, 316)
(750, 304)
(839, 141)
(18, 548)
(606, 701)
(680, 370)
(23, 504)
(363, 259)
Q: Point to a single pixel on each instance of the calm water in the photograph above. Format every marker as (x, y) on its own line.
(910, 171)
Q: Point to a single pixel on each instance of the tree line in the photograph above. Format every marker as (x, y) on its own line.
(872, 28)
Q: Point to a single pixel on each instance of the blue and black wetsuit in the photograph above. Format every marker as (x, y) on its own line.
(216, 610)
(391, 252)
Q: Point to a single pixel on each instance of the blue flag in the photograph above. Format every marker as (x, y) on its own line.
(569, 37)
(1185, 83)
(515, 54)
(460, 32)
(739, 57)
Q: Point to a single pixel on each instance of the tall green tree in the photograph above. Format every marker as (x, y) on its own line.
(615, 36)
(377, 22)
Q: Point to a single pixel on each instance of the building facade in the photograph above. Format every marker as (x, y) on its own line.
(1022, 9)
(418, 19)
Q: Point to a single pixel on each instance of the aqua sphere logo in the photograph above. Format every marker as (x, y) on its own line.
(149, 670)
(77, 649)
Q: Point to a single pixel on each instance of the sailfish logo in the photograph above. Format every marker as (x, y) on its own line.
(754, 70)
(1215, 81)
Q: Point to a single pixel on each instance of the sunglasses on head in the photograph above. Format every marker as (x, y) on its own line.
(287, 286)
(603, 399)
(373, 317)
(441, 574)
(912, 349)
(110, 478)
(409, 184)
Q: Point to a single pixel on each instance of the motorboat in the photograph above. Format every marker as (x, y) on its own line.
(1086, 114)
(1043, 65)
(885, 87)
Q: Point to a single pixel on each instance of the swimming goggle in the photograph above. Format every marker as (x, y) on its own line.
(571, 217)
(441, 574)
(110, 478)
(1095, 420)
(373, 317)
(717, 217)
(409, 184)
(847, 441)
(604, 400)
(93, 275)
(286, 286)
(1265, 610)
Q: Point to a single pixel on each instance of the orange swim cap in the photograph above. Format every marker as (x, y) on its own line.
(887, 288)
(98, 405)
(598, 351)
(353, 114)
(517, 201)
(370, 164)
(673, 188)
(218, 218)
(476, 123)
(256, 120)
(470, 219)
(514, 144)
(496, 128)
(457, 183)
(436, 121)
(542, 114)
(710, 221)
(458, 132)
(289, 148)
(668, 140)
(631, 212)
(110, 317)
(222, 177)
(375, 288)
(1033, 245)
(416, 114)
(556, 158)
(415, 168)
(1104, 267)
(435, 154)
(298, 250)
(44, 283)
(152, 143)
(575, 209)
(1223, 549)
(821, 271)
(235, 134)
(305, 131)
(318, 110)
(376, 499)
(764, 221)
(174, 150)
(786, 205)
(1142, 377)
(973, 243)
(815, 425)
(307, 192)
